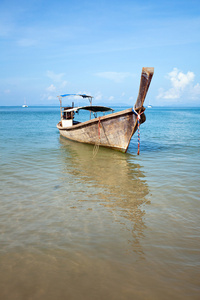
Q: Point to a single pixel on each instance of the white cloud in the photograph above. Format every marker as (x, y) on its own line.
(170, 94)
(55, 77)
(27, 42)
(51, 93)
(180, 84)
(51, 88)
(111, 98)
(57, 87)
(180, 80)
(114, 76)
(7, 92)
(98, 96)
(51, 97)
(63, 84)
(195, 92)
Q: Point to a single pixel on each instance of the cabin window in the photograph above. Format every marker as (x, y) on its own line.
(68, 115)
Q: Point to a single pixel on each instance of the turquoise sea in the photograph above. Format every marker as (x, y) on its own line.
(114, 226)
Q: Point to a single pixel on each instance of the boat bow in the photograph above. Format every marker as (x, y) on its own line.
(146, 76)
(113, 130)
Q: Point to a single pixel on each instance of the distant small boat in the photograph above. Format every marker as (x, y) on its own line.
(113, 130)
(149, 105)
(24, 105)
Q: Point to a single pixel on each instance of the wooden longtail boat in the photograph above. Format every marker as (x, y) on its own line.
(113, 130)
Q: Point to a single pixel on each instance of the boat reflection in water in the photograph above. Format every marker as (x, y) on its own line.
(110, 180)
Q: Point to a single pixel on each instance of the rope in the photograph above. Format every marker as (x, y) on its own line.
(138, 123)
(99, 129)
(96, 146)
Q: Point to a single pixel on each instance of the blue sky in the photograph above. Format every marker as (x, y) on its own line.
(49, 48)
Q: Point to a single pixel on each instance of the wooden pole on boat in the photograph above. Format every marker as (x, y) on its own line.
(60, 100)
(90, 100)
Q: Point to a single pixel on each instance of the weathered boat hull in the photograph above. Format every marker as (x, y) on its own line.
(113, 131)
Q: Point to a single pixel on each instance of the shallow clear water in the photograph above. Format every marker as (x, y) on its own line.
(113, 226)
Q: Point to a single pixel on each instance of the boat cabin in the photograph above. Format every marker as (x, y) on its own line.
(67, 113)
(67, 117)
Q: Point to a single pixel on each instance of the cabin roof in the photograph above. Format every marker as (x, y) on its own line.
(81, 95)
(92, 108)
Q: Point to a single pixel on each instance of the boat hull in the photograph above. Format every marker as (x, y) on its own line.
(112, 131)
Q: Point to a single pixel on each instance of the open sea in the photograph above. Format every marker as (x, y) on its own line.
(114, 226)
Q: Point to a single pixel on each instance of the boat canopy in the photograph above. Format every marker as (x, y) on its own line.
(89, 108)
(81, 95)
